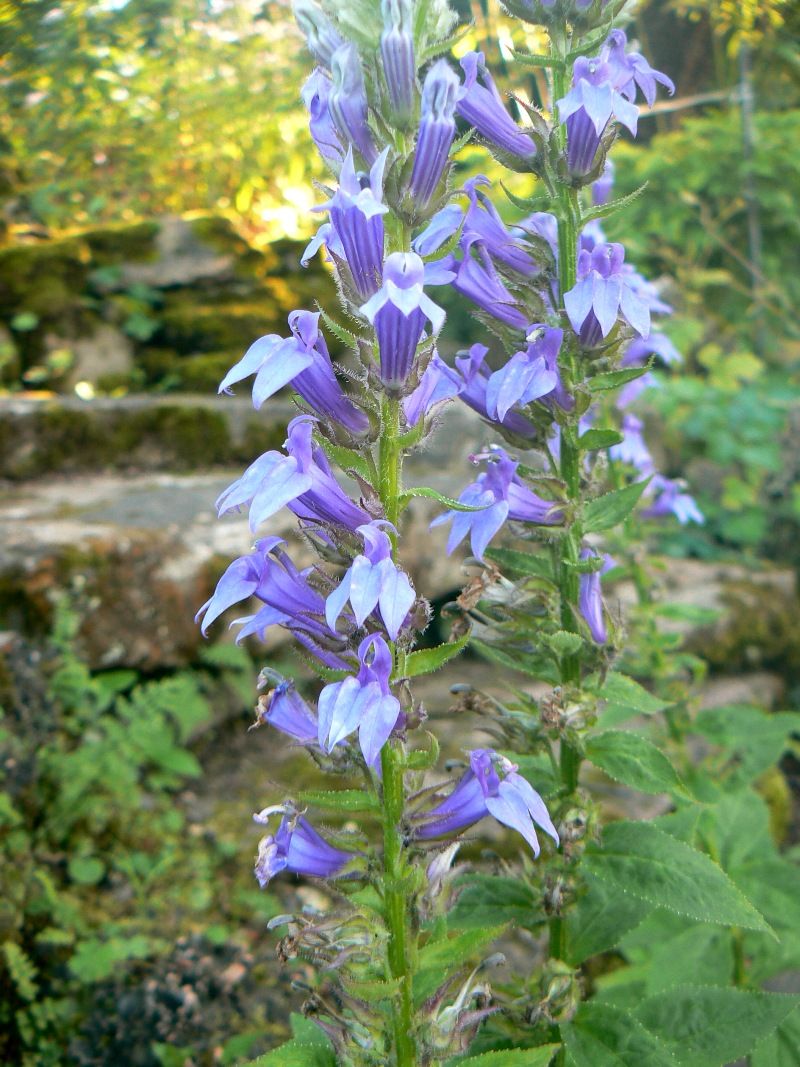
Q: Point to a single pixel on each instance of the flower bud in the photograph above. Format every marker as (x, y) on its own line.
(321, 35)
(397, 51)
(436, 131)
(348, 101)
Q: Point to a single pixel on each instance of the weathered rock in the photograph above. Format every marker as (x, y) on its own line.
(105, 351)
(181, 258)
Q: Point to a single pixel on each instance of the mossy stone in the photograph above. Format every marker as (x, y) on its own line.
(114, 245)
(190, 327)
(45, 279)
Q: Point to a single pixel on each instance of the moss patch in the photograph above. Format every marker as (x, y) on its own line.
(115, 245)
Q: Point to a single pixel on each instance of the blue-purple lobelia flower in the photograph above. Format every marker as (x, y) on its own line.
(348, 103)
(528, 375)
(303, 360)
(491, 786)
(483, 221)
(601, 293)
(284, 708)
(356, 213)
(316, 97)
(437, 128)
(440, 229)
(477, 279)
(481, 106)
(296, 848)
(364, 702)
(603, 90)
(590, 601)
(398, 312)
(301, 479)
(322, 37)
(497, 494)
(397, 53)
(670, 499)
(373, 581)
(604, 185)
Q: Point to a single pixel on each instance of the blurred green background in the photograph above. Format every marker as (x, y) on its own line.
(156, 180)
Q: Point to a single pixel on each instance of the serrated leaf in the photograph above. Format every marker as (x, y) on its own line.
(524, 564)
(422, 759)
(348, 339)
(595, 439)
(604, 1036)
(756, 739)
(603, 211)
(782, 1047)
(529, 60)
(349, 460)
(638, 859)
(372, 992)
(427, 660)
(308, 1048)
(600, 919)
(625, 698)
(609, 510)
(526, 203)
(433, 494)
(706, 1026)
(486, 899)
(439, 960)
(523, 1057)
(564, 643)
(615, 378)
(340, 799)
(634, 761)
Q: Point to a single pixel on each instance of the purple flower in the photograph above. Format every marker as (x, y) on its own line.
(371, 581)
(398, 312)
(364, 702)
(356, 211)
(441, 227)
(491, 786)
(321, 36)
(671, 500)
(397, 52)
(528, 375)
(473, 386)
(602, 188)
(481, 106)
(302, 479)
(316, 97)
(296, 848)
(499, 495)
(438, 384)
(348, 102)
(303, 360)
(656, 344)
(603, 89)
(590, 601)
(632, 448)
(437, 128)
(483, 222)
(285, 709)
(601, 293)
(477, 279)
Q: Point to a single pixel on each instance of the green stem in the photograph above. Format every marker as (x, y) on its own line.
(390, 458)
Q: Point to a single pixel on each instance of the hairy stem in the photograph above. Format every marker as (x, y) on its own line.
(390, 458)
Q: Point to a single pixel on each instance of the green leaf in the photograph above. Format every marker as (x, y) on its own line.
(486, 899)
(634, 761)
(309, 1048)
(756, 739)
(782, 1047)
(564, 643)
(595, 439)
(600, 919)
(440, 959)
(625, 698)
(529, 60)
(606, 511)
(349, 460)
(527, 203)
(433, 494)
(422, 759)
(604, 1036)
(524, 564)
(86, 870)
(711, 1026)
(427, 660)
(340, 799)
(348, 339)
(523, 1057)
(372, 992)
(602, 211)
(637, 859)
(615, 378)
